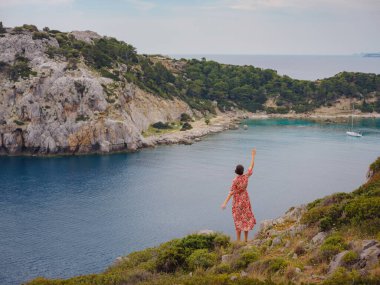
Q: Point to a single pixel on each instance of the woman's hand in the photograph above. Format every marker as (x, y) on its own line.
(223, 206)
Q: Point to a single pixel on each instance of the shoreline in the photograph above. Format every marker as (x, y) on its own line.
(221, 122)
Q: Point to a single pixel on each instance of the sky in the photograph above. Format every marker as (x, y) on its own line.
(213, 26)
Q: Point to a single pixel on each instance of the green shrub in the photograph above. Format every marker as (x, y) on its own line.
(277, 265)
(364, 210)
(374, 168)
(186, 126)
(82, 118)
(161, 126)
(185, 117)
(332, 246)
(171, 256)
(223, 268)
(19, 123)
(2, 29)
(245, 258)
(343, 277)
(326, 223)
(201, 258)
(221, 240)
(350, 258)
(40, 35)
(315, 214)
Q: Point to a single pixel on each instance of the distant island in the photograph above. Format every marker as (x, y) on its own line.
(377, 54)
(78, 92)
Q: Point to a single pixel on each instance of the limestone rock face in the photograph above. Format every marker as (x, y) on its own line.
(86, 36)
(59, 110)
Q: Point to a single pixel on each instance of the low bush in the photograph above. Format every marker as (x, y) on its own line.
(277, 265)
(186, 126)
(350, 258)
(185, 117)
(245, 258)
(332, 246)
(40, 35)
(201, 258)
(161, 126)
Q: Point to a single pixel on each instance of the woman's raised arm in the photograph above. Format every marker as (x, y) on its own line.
(252, 161)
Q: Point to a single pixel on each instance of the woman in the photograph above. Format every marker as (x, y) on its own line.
(241, 206)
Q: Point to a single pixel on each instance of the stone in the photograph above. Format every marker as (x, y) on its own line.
(287, 244)
(205, 232)
(233, 277)
(319, 238)
(336, 262)
(243, 273)
(370, 254)
(276, 241)
(298, 270)
(294, 256)
(226, 258)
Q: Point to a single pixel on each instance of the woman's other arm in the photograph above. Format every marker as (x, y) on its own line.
(226, 201)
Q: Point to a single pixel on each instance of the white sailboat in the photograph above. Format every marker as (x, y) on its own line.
(351, 132)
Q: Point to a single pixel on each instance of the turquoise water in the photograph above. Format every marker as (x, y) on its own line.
(306, 67)
(74, 215)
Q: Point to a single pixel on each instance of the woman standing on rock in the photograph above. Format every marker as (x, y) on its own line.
(241, 205)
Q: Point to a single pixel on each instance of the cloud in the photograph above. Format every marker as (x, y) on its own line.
(9, 3)
(253, 5)
(141, 4)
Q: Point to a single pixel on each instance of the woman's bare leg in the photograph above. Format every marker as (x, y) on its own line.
(238, 234)
(245, 236)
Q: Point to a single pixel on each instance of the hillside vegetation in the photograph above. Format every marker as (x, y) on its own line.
(333, 240)
(201, 82)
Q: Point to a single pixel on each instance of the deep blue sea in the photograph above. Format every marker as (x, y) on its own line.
(67, 216)
(306, 67)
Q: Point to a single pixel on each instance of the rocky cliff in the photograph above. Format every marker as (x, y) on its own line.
(48, 107)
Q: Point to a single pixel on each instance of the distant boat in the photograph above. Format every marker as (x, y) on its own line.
(351, 132)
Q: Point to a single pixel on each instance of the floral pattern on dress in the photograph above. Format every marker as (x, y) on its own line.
(241, 205)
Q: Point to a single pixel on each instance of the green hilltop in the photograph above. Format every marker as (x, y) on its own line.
(201, 82)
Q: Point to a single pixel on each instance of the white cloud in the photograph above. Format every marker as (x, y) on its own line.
(8, 3)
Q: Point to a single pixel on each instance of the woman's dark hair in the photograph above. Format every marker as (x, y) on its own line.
(239, 169)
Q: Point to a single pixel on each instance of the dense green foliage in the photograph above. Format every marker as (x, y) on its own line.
(206, 84)
(360, 209)
(161, 125)
(19, 69)
(186, 126)
(2, 29)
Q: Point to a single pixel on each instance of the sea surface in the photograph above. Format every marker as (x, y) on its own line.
(306, 67)
(67, 216)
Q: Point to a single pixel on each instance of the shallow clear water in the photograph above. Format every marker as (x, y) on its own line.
(306, 67)
(66, 216)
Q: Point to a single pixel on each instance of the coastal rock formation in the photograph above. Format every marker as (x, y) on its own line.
(55, 109)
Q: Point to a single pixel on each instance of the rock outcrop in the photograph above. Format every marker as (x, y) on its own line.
(57, 110)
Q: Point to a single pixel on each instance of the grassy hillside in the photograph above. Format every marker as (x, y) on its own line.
(201, 83)
(299, 248)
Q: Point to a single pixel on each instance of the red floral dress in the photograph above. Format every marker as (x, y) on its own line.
(241, 206)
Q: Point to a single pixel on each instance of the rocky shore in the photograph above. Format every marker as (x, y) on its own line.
(222, 122)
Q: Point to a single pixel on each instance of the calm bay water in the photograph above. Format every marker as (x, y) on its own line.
(66, 216)
(306, 67)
